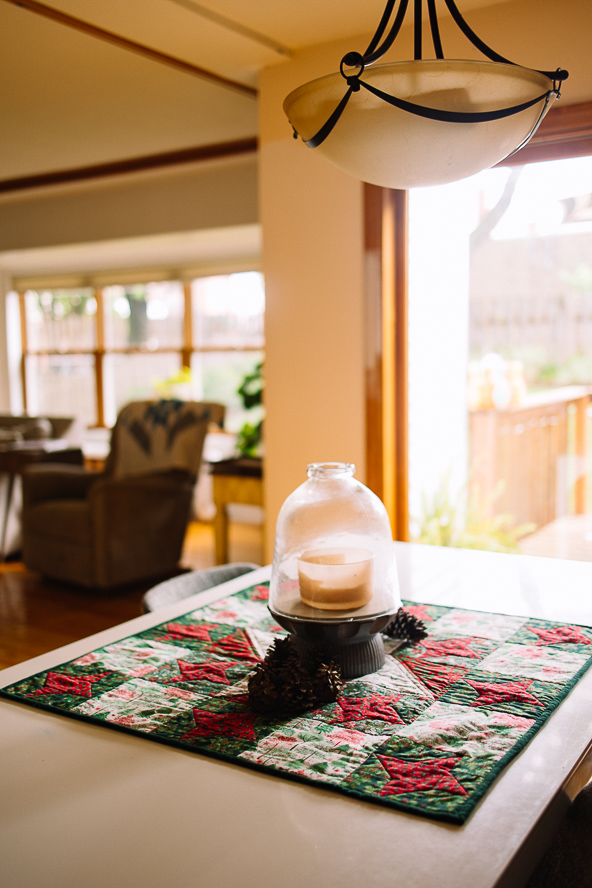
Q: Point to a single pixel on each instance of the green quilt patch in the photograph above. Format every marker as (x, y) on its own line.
(428, 733)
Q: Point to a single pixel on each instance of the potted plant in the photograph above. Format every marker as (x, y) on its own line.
(250, 437)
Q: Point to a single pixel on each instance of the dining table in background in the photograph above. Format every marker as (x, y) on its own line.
(15, 456)
(236, 481)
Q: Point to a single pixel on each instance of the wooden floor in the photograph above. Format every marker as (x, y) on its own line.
(37, 615)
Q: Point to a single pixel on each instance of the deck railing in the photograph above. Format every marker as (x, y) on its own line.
(532, 461)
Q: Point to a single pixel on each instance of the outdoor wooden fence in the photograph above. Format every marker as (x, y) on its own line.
(558, 327)
(532, 461)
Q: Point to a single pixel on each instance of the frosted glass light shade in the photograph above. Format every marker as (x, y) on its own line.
(381, 144)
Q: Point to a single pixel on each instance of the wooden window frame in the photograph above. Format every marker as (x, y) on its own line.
(185, 351)
(564, 133)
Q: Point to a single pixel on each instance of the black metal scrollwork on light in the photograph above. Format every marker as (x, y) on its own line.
(376, 50)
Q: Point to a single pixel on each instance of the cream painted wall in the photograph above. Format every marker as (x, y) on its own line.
(314, 349)
(312, 257)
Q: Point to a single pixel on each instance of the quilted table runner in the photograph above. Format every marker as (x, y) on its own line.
(427, 734)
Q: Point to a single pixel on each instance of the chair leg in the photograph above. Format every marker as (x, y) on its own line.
(9, 490)
(221, 534)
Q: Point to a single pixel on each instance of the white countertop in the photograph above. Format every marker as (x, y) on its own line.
(88, 807)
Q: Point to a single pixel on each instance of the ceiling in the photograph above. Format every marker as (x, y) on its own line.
(69, 98)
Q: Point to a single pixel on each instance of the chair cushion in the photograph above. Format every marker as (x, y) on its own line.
(153, 435)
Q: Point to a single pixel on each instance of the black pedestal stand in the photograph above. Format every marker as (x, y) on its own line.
(355, 644)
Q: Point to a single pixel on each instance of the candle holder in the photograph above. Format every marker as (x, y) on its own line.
(334, 580)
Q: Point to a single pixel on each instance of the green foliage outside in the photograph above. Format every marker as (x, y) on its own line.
(540, 372)
(467, 524)
(58, 304)
(576, 370)
(250, 436)
(580, 278)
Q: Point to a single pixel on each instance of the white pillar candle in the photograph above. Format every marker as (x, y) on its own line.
(336, 579)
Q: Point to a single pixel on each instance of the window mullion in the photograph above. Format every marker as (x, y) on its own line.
(99, 356)
(187, 349)
(24, 348)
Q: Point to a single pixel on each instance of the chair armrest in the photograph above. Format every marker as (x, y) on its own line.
(52, 481)
(147, 483)
(125, 503)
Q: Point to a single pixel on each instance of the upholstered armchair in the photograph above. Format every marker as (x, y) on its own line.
(127, 523)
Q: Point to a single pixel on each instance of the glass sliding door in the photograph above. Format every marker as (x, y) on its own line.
(500, 359)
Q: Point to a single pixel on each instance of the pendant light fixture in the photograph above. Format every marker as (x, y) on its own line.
(426, 121)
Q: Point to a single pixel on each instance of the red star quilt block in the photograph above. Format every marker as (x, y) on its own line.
(431, 775)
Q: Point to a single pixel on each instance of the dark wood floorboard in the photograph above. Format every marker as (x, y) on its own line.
(37, 615)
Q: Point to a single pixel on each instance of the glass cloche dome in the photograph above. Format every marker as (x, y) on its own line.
(334, 578)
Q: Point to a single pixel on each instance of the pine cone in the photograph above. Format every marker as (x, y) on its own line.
(406, 627)
(282, 683)
(263, 693)
(327, 683)
(266, 681)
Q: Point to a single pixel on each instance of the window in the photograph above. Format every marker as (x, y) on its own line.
(87, 351)
(500, 367)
